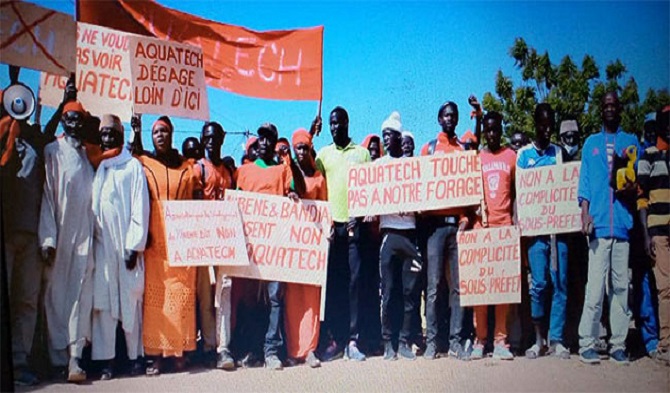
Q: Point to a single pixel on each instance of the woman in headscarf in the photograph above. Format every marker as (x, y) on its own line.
(169, 295)
(301, 322)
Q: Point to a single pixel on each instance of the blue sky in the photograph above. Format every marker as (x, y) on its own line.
(412, 56)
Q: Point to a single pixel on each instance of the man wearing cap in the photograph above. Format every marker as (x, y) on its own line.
(654, 207)
(398, 247)
(344, 257)
(267, 176)
(121, 210)
(65, 238)
(570, 140)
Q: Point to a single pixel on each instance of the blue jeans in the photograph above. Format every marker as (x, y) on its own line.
(273, 336)
(644, 308)
(539, 259)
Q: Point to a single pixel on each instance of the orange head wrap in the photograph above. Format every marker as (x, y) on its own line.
(73, 106)
(301, 135)
(250, 142)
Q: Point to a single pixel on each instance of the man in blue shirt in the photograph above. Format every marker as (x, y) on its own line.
(606, 219)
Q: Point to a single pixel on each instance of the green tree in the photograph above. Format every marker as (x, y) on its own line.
(574, 91)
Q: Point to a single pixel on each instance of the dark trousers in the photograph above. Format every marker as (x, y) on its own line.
(343, 285)
(400, 264)
(273, 337)
(442, 249)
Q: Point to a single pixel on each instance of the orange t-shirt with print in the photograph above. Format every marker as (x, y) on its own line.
(274, 179)
(498, 170)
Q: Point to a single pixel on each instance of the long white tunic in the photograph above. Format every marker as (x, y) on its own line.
(66, 223)
(121, 209)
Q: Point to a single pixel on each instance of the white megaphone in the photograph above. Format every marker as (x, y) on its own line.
(19, 101)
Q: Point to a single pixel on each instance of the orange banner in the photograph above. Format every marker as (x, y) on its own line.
(283, 65)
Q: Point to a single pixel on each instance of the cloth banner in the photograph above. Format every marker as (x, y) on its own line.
(168, 79)
(489, 262)
(283, 64)
(286, 241)
(546, 199)
(37, 38)
(103, 73)
(204, 233)
(415, 184)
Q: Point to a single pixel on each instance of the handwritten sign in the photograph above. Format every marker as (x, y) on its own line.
(547, 199)
(489, 263)
(37, 38)
(286, 241)
(203, 233)
(415, 184)
(168, 78)
(103, 73)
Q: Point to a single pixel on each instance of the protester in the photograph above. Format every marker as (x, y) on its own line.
(373, 144)
(468, 141)
(65, 237)
(344, 257)
(546, 253)
(407, 144)
(570, 140)
(302, 315)
(498, 170)
(649, 135)
(400, 261)
(213, 297)
(442, 248)
(121, 210)
(606, 219)
(192, 149)
(518, 139)
(653, 204)
(169, 302)
(250, 151)
(266, 176)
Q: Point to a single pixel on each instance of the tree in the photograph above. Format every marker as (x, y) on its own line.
(574, 92)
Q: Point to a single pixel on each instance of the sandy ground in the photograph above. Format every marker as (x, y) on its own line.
(377, 375)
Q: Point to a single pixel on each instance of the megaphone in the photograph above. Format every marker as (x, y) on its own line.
(19, 101)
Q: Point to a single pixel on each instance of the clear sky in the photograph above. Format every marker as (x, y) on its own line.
(412, 56)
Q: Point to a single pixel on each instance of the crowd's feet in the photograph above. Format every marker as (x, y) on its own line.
(332, 352)
(661, 356)
(225, 361)
(75, 373)
(351, 352)
(273, 362)
(312, 361)
(23, 376)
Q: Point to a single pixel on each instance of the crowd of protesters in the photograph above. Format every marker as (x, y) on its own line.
(83, 210)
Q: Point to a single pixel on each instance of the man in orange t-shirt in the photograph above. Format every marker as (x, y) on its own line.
(498, 170)
(266, 176)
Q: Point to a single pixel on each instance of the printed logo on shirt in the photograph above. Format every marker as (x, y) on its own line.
(596, 151)
(494, 183)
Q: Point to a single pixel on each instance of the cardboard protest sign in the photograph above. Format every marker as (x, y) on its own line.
(103, 73)
(415, 184)
(286, 241)
(202, 233)
(546, 199)
(489, 264)
(168, 78)
(281, 65)
(37, 38)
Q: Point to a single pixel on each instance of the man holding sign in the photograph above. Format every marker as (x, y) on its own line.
(266, 176)
(546, 253)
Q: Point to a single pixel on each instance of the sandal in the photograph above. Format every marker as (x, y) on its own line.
(154, 368)
(533, 352)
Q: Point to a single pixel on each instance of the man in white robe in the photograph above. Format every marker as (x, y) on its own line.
(121, 209)
(65, 237)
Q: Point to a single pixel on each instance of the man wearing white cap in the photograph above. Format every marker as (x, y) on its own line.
(570, 140)
(121, 209)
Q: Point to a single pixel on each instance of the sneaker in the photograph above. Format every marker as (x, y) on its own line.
(312, 360)
(477, 352)
(106, 373)
(431, 351)
(389, 352)
(136, 368)
(273, 363)
(559, 351)
(352, 353)
(457, 351)
(590, 356)
(405, 351)
(501, 352)
(534, 352)
(333, 352)
(24, 377)
(225, 361)
(619, 357)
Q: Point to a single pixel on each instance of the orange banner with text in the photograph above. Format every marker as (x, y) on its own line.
(489, 266)
(415, 184)
(283, 65)
(203, 233)
(36, 37)
(103, 73)
(286, 241)
(546, 199)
